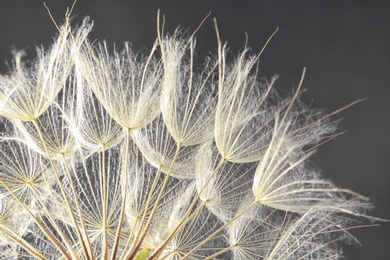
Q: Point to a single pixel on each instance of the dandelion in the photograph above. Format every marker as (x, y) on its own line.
(116, 155)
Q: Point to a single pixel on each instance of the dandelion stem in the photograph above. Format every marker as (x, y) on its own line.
(104, 191)
(137, 245)
(53, 222)
(39, 224)
(226, 249)
(20, 241)
(64, 194)
(186, 217)
(89, 253)
(123, 206)
(151, 192)
(219, 230)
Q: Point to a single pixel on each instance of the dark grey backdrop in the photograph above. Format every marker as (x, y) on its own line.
(345, 46)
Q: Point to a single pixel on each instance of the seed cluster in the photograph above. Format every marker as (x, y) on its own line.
(112, 154)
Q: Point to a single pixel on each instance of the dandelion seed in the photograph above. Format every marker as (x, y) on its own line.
(92, 125)
(126, 85)
(188, 102)
(26, 93)
(244, 116)
(159, 148)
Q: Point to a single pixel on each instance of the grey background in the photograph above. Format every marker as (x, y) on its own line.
(345, 46)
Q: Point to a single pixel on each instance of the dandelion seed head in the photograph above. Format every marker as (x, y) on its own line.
(110, 154)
